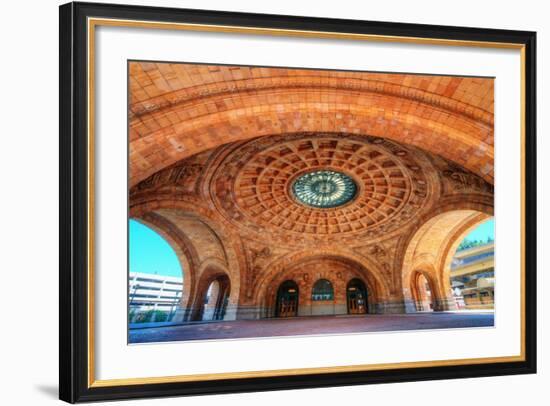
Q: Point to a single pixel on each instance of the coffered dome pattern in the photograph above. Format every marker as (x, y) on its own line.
(253, 186)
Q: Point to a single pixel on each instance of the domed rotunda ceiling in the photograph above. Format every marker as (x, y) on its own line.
(319, 186)
(313, 188)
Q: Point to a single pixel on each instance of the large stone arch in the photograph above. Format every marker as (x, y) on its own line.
(338, 271)
(428, 273)
(199, 116)
(185, 252)
(266, 285)
(365, 82)
(430, 246)
(212, 272)
(419, 132)
(230, 261)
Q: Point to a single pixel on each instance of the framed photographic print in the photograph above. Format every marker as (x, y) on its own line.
(257, 202)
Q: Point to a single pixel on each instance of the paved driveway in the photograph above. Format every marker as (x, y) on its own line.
(311, 326)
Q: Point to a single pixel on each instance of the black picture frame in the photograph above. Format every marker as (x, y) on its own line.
(74, 200)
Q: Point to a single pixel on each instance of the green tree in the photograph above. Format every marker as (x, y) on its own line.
(466, 243)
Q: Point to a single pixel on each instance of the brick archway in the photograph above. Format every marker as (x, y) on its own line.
(213, 274)
(418, 291)
(430, 247)
(185, 253)
(239, 103)
(338, 268)
(167, 216)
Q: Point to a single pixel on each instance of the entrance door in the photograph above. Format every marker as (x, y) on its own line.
(357, 297)
(287, 300)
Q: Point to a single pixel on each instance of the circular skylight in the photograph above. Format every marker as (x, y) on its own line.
(324, 189)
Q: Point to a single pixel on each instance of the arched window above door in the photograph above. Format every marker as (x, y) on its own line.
(322, 290)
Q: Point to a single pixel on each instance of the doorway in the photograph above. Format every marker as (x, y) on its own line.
(357, 297)
(287, 299)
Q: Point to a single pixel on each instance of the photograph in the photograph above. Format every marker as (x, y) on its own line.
(284, 201)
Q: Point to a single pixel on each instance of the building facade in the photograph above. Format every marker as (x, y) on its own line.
(473, 277)
(153, 298)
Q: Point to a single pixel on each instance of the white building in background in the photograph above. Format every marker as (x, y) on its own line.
(473, 277)
(153, 297)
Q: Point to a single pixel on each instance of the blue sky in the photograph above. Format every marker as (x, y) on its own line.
(150, 253)
(483, 231)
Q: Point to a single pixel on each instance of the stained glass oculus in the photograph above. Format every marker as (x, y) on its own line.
(324, 189)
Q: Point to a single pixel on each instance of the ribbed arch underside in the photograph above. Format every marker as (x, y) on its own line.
(178, 110)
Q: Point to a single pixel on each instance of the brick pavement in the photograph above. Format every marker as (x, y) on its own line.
(312, 326)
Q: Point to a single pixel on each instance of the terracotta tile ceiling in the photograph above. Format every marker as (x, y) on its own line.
(179, 110)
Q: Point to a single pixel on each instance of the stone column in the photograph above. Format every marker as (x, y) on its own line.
(179, 315)
(446, 304)
(396, 306)
(250, 312)
(230, 312)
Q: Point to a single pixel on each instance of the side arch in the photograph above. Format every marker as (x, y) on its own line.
(184, 252)
(431, 246)
(418, 291)
(164, 214)
(222, 308)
